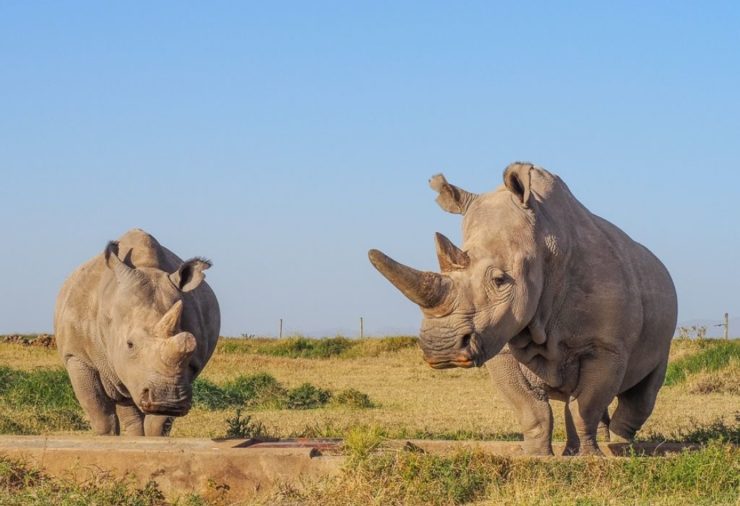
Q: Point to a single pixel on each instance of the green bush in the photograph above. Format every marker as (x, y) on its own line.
(307, 396)
(352, 398)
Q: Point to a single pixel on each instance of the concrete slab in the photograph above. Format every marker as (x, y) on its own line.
(239, 468)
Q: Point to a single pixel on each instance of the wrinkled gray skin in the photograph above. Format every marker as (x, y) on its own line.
(134, 326)
(589, 312)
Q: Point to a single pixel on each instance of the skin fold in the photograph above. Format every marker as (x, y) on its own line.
(134, 326)
(557, 302)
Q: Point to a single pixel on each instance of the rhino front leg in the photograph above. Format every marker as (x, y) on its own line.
(157, 425)
(99, 408)
(530, 403)
(131, 419)
(599, 379)
(572, 442)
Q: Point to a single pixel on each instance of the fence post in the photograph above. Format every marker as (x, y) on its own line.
(362, 328)
(727, 326)
(281, 328)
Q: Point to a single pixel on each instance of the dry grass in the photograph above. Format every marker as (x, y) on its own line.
(412, 399)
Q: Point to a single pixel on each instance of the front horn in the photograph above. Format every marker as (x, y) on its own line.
(427, 289)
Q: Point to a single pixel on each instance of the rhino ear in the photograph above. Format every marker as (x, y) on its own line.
(190, 274)
(124, 274)
(451, 258)
(517, 178)
(451, 198)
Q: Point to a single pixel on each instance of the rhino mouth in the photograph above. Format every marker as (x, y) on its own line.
(165, 410)
(151, 406)
(466, 356)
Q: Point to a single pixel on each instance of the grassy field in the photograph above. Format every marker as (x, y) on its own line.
(374, 389)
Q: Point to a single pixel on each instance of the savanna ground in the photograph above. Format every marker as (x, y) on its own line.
(376, 389)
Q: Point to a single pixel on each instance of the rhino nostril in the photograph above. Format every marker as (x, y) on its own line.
(145, 395)
(465, 341)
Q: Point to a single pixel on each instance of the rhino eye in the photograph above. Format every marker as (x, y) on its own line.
(130, 345)
(499, 281)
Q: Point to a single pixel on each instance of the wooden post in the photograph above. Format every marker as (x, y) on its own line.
(727, 326)
(362, 328)
(281, 328)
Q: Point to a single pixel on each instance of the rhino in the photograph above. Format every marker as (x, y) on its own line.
(135, 325)
(586, 312)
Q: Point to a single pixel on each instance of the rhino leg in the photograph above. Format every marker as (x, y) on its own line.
(99, 408)
(600, 376)
(131, 419)
(572, 442)
(635, 405)
(530, 403)
(157, 425)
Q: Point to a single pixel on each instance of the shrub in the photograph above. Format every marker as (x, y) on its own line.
(307, 396)
(352, 398)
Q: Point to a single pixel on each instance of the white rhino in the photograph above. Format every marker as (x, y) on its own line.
(588, 311)
(134, 326)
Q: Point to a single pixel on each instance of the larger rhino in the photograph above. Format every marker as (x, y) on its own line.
(134, 326)
(588, 311)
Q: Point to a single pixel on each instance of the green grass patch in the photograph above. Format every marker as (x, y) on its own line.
(707, 476)
(713, 355)
(38, 401)
(22, 484)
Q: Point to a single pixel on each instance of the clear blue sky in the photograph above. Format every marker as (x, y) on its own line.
(285, 139)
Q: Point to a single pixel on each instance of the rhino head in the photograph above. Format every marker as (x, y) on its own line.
(146, 345)
(488, 291)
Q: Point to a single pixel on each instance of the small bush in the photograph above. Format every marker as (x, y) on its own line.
(307, 396)
(352, 398)
(210, 396)
(255, 390)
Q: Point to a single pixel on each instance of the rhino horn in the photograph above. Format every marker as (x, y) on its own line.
(169, 325)
(427, 289)
(451, 258)
(177, 349)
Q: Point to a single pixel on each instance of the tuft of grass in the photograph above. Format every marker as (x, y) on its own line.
(713, 355)
(352, 398)
(360, 442)
(240, 426)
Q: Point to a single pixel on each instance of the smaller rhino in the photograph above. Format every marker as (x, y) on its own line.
(135, 325)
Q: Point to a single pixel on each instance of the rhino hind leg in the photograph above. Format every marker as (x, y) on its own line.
(131, 419)
(530, 403)
(635, 405)
(157, 425)
(89, 391)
